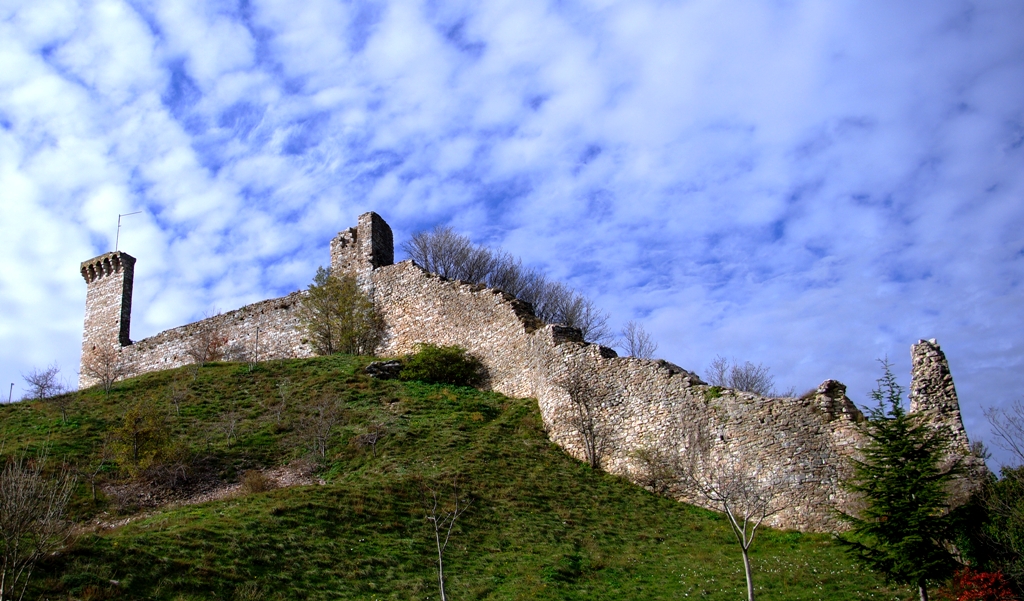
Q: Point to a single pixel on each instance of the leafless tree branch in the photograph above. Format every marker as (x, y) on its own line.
(586, 394)
(443, 506)
(33, 506)
(636, 341)
(746, 492)
(1008, 426)
(106, 364)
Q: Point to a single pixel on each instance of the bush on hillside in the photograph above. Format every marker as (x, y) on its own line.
(443, 365)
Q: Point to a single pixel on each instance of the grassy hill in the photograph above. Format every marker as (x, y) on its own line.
(541, 526)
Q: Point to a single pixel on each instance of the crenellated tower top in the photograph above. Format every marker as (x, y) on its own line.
(109, 280)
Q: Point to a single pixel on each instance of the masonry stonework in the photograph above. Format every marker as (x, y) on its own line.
(647, 406)
(361, 249)
(109, 280)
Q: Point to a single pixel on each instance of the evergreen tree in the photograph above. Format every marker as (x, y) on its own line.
(904, 525)
(339, 316)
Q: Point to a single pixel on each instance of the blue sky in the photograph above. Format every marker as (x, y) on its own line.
(811, 185)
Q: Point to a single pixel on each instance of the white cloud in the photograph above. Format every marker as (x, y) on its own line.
(812, 185)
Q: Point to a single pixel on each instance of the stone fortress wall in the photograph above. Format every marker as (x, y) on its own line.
(648, 405)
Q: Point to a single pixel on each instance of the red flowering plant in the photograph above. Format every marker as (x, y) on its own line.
(969, 584)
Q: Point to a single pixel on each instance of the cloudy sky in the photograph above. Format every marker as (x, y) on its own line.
(811, 185)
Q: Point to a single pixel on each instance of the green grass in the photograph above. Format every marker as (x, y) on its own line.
(542, 525)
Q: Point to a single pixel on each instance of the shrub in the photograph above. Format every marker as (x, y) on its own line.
(712, 393)
(339, 316)
(255, 481)
(443, 365)
(974, 585)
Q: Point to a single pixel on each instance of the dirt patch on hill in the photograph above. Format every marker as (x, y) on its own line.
(138, 499)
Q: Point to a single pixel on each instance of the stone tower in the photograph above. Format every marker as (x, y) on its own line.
(932, 391)
(361, 249)
(108, 300)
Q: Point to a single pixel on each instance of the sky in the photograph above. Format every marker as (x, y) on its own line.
(808, 185)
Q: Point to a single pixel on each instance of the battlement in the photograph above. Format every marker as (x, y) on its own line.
(107, 265)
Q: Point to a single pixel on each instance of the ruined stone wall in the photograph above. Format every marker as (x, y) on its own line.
(933, 393)
(422, 307)
(650, 406)
(648, 401)
(646, 406)
(361, 249)
(280, 337)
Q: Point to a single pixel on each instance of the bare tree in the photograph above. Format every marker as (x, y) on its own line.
(207, 342)
(106, 364)
(443, 506)
(745, 378)
(564, 305)
(254, 357)
(319, 424)
(33, 506)
(586, 393)
(44, 383)
(374, 433)
(280, 404)
(1008, 426)
(746, 492)
(636, 341)
(508, 274)
(229, 423)
(454, 256)
(178, 393)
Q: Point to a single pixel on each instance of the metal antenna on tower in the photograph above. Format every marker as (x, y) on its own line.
(117, 240)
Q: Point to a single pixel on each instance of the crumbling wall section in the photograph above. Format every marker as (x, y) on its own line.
(648, 402)
(280, 336)
(649, 407)
(646, 407)
(933, 393)
(422, 307)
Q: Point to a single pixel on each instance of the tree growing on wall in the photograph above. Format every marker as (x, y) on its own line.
(636, 341)
(745, 377)
(105, 364)
(339, 316)
(454, 256)
(33, 524)
(904, 528)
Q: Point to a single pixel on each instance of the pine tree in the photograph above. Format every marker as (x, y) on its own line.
(904, 524)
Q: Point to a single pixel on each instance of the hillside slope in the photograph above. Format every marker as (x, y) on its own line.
(541, 525)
